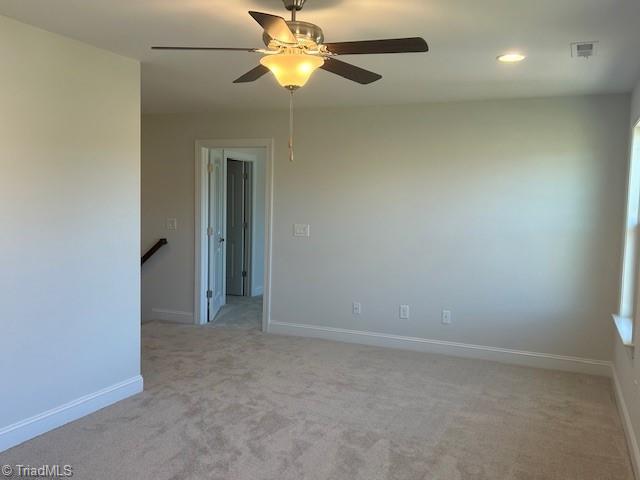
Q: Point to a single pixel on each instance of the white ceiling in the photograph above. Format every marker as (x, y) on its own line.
(465, 36)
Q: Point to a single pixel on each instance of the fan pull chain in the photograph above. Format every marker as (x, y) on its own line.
(291, 127)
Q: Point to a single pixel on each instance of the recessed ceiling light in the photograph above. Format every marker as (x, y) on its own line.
(511, 58)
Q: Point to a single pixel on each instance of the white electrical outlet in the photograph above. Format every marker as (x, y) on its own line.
(446, 317)
(172, 223)
(357, 308)
(404, 312)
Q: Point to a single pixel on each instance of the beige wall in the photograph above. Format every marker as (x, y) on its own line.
(627, 368)
(70, 212)
(507, 213)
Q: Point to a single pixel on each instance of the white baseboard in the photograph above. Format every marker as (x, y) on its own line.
(172, 316)
(632, 441)
(29, 428)
(496, 354)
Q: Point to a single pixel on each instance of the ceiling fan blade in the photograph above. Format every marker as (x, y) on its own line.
(207, 48)
(252, 75)
(276, 27)
(396, 45)
(350, 72)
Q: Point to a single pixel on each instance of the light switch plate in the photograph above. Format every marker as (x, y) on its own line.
(301, 230)
(172, 223)
(404, 312)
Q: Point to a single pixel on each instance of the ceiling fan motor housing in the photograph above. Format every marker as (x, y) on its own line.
(303, 31)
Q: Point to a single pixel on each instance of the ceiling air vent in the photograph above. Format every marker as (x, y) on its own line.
(583, 49)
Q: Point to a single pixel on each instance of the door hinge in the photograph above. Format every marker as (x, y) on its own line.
(246, 224)
(246, 176)
(210, 231)
(244, 273)
(210, 167)
(209, 293)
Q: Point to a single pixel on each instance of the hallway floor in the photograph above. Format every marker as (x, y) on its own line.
(244, 313)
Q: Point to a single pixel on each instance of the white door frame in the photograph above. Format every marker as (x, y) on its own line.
(201, 223)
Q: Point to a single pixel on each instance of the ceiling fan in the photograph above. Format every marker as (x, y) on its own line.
(295, 49)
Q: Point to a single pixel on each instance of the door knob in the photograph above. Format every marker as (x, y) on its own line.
(221, 240)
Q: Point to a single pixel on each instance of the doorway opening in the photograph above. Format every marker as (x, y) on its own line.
(233, 228)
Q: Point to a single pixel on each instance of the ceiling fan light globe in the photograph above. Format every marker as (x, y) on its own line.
(292, 70)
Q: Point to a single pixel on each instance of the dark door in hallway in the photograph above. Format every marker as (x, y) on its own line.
(236, 226)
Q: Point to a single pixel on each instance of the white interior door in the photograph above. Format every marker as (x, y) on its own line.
(216, 231)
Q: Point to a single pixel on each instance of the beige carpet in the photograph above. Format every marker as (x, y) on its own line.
(239, 405)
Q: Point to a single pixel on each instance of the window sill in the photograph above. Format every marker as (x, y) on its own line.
(624, 326)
